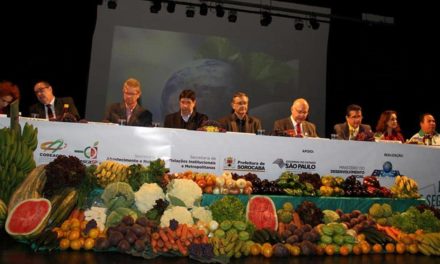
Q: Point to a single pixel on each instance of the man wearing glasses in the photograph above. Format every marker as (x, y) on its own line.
(129, 112)
(51, 107)
(239, 120)
(353, 127)
(296, 125)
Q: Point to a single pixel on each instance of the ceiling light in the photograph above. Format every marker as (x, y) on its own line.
(313, 23)
(266, 18)
(232, 17)
(219, 11)
(112, 4)
(203, 9)
(171, 7)
(299, 24)
(156, 6)
(190, 11)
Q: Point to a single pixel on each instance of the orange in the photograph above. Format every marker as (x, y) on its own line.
(366, 248)
(390, 248)
(83, 224)
(65, 226)
(357, 250)
(89, 243)
(377, 248)
(413, 248)
(255, 249)
(400, 248)
(406, 239)
(75, 223)
(361, 237)
(64, 243)
(344, 250)
(295, 250)
(75, 244)
(73, 235)
(329, 250)
(320, 250)
(267, 251)
(94, 233)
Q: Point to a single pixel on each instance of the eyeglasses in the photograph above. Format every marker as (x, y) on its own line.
(41, 89)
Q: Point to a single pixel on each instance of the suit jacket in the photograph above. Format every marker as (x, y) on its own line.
(252, 124)
(39, 108)
(286, 124)
(175, 120)
(342, 130)
(139, 117)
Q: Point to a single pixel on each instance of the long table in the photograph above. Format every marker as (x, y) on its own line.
(266, 156)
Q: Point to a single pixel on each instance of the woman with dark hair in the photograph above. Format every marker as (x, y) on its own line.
(8, 93)
(388, 128)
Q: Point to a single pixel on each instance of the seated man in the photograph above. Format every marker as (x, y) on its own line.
(427, 134)
(239, 120)
(296, 124)
(129, 110)
(187, 117)
(51, 107)
(353, 129)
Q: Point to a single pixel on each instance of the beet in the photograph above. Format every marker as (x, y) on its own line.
(102, 243)
(123, 245)
(130, 237)
(280, 251)
(128, 220)
(115, 237)
(138, 230)
(142, 221)
(139, 245)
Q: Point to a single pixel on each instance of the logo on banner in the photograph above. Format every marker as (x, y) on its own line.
(53, 146)
(386, 171)
(90, 152)
(231, 164)
(295, 165)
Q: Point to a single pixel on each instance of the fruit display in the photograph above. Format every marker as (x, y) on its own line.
(373, 188)
(231, 239)
(336, 234)
(355, 220)
(429, 243)
(381, 213)
(353, 187)
(405, 187)
(260, 186)
(299, 185)
(310, 213)
(16, 157)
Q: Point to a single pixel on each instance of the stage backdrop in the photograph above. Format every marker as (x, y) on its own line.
(170, 52)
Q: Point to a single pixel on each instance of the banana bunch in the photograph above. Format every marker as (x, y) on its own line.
(16, 157)
(429, 244)
(405, 187)
(111, 171)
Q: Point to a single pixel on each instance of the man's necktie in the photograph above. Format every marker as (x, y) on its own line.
(50, 112)
(298, 129)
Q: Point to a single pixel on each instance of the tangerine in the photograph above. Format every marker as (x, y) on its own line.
(267, 251)
(295, 250)
(406, 239)
(64, 243)
(75, 244)
(400, 248)
(89, 243)
(329, 250)
(74, 223)
(320, 250)
(377, 248)
(413, 248)
(344, 250)
(357, 250)
(255, 249)
(390, 248)
(94, 233)
(365, 248)
(74, 234)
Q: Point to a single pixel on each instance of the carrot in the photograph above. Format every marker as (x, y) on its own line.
(160, 243)
(297, 219)
(171, 235)
(163, 235)
(187, 243)
(205, 239)
(81, 215)
(181, 249)
(184, 235)
(179, 231)
(74, 214)
(153, 243)
(281, 228)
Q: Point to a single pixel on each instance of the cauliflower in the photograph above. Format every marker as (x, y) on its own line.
(202, 214)
(147, 195)
(186, 192)
(179, 213)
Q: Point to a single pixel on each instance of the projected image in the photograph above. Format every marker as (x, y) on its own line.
(214, 67)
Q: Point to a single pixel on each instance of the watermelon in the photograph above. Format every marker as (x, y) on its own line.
(262, 213)
(28, 218)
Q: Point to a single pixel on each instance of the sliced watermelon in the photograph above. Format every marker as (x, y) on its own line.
(28, 218)
(262, 213)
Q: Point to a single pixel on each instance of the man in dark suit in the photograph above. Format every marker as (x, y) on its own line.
(296, 124)
(51, 107)
(239, 120)
(187, 117)
(353, 128)
(129, 111)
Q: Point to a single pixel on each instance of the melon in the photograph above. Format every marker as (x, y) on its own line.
(262, 213)
(28, 218)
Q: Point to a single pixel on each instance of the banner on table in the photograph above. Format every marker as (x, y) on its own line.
(265, 156)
